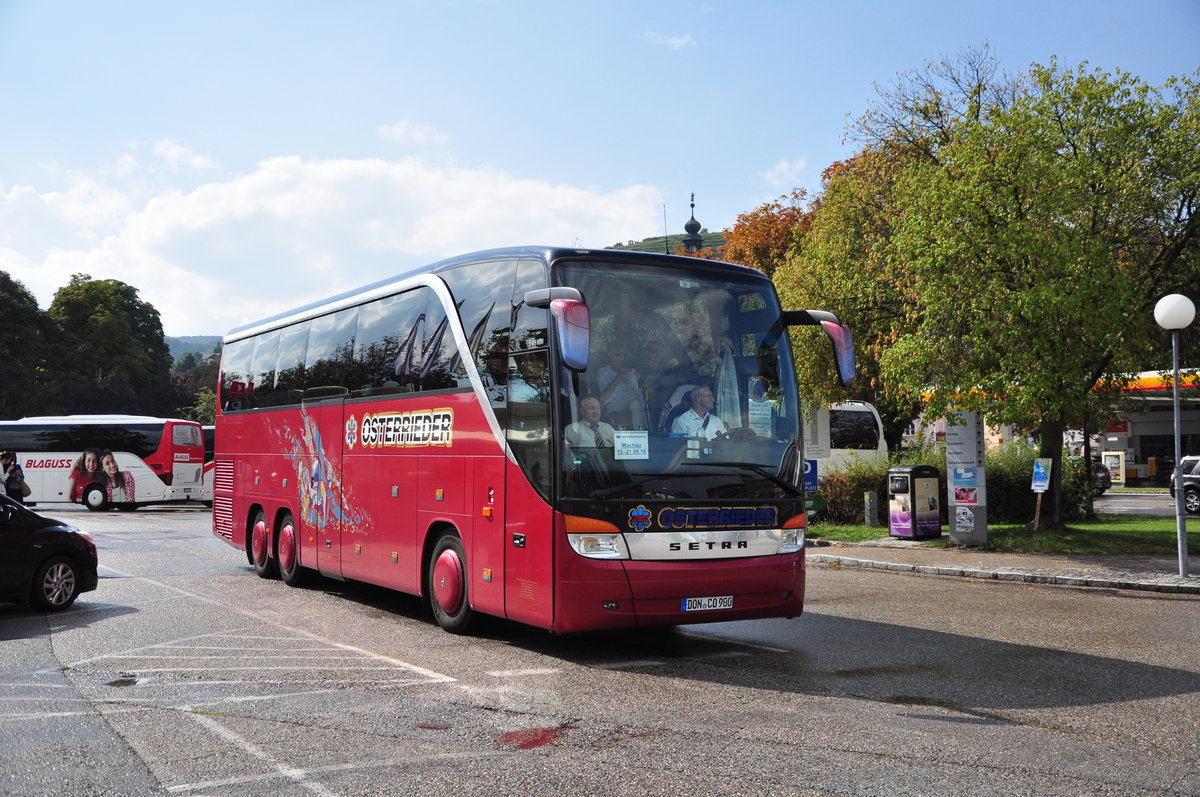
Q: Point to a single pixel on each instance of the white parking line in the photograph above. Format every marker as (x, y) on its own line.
(521, 673)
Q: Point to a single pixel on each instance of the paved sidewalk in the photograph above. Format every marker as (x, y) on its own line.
(1149, 573)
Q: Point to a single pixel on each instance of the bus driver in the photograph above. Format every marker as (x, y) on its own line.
(700, 420)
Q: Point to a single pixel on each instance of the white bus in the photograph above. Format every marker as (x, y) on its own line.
(106, 461)
(844, 431)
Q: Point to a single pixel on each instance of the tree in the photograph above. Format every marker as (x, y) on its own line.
(764, 237)
(1037, 222)
(186, 362)
(204, 411)
(845, 265)
(110, 352)
(23, 330)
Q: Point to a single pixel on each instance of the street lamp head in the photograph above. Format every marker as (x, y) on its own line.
(1174, 311)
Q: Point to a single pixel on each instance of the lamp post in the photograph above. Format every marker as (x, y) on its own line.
(1175, 312)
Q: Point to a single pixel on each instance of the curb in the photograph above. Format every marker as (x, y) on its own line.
(1166, 584)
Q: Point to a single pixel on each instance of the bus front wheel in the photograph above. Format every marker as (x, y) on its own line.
(95, 498)
(447, 585)
(260, 548)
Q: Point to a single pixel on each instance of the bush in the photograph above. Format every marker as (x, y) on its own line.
(1009, 476)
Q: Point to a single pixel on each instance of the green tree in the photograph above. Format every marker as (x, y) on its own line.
(1037, 222)
(23, 334)
(186, 362)
(204, 411)
(846, 265)
(110, 352)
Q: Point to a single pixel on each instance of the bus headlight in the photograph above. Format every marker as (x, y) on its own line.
(791, 540)
(791, 537)
(599, 546)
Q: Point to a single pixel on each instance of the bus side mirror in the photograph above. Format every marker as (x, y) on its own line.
(839, 334)
(572, 323)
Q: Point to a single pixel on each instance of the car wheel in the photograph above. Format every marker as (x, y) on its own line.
(55, 585)
(290, 570)
(260, 549)
(447, 585)
(95, 498)
(1191, 501)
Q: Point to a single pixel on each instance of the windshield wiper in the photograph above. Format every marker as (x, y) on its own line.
(759, 469)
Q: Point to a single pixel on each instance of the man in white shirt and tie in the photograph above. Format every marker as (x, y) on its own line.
(700, 420)
(591, 432)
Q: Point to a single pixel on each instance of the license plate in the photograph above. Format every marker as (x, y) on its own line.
(705, 604)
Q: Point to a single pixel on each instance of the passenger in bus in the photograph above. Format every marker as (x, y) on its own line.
(13, 476)
(495, 375)
(590, 432)
(620, 392)
(117, 483)
(85, 471)
(529, 383)
(700, 420)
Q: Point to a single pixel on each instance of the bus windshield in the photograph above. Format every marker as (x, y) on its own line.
(688, 393)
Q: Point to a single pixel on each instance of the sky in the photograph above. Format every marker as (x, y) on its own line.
(231, 160)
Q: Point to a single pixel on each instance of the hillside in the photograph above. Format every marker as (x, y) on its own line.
(713, 240)
(197, 344)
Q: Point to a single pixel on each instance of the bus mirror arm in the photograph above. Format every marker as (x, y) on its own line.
(839, 335)
(544, 296)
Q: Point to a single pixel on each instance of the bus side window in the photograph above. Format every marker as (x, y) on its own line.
(235, 373)
(262, 371)
(529, 416)
(387, 355)
(289, 364)
(330, 350)
(483, 295)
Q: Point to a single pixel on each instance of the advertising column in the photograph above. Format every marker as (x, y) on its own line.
(966, 480)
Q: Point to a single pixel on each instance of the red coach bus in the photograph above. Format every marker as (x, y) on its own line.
(424, 434)
(107, 461)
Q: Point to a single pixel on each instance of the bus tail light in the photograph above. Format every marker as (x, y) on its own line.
(595, 539)
(792, 534)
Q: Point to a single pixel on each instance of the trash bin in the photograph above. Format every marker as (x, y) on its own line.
(913, 510)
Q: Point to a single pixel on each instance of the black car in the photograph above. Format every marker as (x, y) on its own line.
(44, 563)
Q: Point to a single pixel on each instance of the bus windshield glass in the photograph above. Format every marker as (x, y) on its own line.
(689, 392)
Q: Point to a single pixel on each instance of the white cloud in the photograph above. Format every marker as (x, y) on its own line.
(785, 173)
(673, 42)
(225, 253)
(177, 156)
(406, 132)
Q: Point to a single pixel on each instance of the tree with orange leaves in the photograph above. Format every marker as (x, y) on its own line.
(762, 238)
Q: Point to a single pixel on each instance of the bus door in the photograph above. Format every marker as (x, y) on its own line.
(322, 495)
(528, 537)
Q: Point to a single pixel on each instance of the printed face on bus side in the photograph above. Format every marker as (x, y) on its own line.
(110, 464)
(89, 461)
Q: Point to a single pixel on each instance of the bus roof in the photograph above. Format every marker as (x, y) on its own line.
(547, 253)
(106, 419)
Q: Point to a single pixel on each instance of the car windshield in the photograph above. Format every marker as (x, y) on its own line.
(689, 390)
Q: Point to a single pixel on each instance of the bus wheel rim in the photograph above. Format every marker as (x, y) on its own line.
(287, 547)
(258, 541)
(448, 581)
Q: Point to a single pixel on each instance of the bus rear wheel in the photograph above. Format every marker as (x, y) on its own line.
(447, 585)
(290, 570)
(260, 549)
